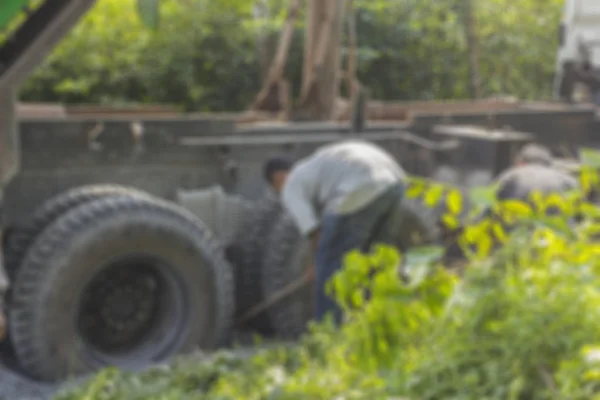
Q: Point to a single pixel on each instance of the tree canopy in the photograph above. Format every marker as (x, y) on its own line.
(205, 54)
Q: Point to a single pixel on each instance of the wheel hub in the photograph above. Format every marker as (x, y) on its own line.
(120, 306)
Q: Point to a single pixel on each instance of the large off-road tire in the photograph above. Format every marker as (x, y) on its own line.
(22, 237)
(286, 259)
(120, 281)
(248, 268)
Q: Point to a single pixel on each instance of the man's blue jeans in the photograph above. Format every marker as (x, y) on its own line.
(378, 222)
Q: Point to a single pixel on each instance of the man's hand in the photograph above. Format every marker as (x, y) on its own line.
(314, 238)
(310, 272)
(309, 276)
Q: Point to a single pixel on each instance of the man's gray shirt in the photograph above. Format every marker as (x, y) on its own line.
(518, 183)
(341, 178)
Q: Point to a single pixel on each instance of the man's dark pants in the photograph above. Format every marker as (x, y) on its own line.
(377, 222)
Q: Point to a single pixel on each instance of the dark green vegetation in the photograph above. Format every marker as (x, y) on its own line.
(520, 322)
(205, 55)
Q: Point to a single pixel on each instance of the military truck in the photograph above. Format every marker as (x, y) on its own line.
(130, 238)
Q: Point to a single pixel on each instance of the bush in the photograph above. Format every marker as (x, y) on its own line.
(199, 59)
(517, 324)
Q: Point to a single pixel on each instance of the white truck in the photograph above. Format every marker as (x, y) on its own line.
(578, 61)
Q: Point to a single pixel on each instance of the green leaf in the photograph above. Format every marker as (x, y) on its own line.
(454, 201)
(590, 157)
(415, 188)
(433, 195)
(482, 196)
(424, 254)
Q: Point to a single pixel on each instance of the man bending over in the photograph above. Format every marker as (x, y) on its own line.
(346, 196)
(533, 172)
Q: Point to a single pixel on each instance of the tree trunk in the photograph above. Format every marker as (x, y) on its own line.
(275, 94)
(264, 47)
(472, 48)
(320, 83)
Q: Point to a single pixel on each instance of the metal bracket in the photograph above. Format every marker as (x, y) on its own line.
(228, 165)
(93, 135)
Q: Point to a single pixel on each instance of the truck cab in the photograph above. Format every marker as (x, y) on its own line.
(578, 59)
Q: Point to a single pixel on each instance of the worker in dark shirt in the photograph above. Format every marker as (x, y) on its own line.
(534, 171)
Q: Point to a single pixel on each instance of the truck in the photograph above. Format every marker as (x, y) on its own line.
(578, 58)
(132, 237)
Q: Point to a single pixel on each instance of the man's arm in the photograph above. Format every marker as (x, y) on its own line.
(314, 241)
(297, 198)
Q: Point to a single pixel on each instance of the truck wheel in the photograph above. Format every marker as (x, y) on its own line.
(119, 281)
(22, 237)
(248, 270)
(286, 259)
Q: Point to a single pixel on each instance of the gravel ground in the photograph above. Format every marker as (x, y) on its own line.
(15, 386)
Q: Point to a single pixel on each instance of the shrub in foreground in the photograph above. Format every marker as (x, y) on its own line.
(516, 325)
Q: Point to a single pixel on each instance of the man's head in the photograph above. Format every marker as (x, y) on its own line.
(276, 170)
(534, 154)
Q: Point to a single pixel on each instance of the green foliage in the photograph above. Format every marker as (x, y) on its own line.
(149, 12)
(201, 58)
(512, 327)
(522, 321)
(205, 54)
(519, 43)
(513, 321)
